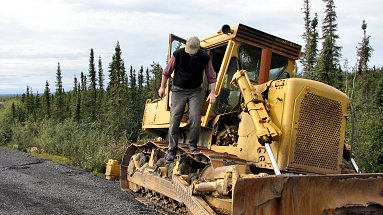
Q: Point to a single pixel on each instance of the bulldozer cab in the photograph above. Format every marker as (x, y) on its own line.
(239, 47)
(234, 48)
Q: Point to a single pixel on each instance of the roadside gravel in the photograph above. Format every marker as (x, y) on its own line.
(31, 185)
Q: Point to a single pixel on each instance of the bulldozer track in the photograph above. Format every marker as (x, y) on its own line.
(160, 203)
(178, 198)
(204, 156)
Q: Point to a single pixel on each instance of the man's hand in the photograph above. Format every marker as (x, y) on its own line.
(161, 92)
(211, 98)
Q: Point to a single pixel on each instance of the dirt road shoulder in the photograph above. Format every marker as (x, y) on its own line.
(31, 185)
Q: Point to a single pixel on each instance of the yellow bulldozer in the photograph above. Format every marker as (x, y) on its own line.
(271, 144)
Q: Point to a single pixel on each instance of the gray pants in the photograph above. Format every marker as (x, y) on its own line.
(180, 97)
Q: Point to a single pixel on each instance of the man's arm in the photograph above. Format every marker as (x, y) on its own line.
(212, 96)
(165, 75)
(212, 79)
(161, 91)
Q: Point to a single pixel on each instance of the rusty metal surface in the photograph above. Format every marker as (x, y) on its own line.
(155, 183)
(278, 45)
(195, 204)
(309, 194)
(124, 185)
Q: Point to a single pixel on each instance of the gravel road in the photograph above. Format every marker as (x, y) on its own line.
(31, 185)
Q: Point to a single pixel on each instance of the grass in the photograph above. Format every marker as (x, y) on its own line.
(55, 158)
(6, 147)
(61, 160)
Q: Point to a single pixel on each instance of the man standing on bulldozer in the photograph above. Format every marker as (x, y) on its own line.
(188, 64)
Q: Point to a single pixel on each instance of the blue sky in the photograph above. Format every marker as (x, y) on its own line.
(37, 34)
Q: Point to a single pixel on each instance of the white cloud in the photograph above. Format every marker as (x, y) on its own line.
(36, 34)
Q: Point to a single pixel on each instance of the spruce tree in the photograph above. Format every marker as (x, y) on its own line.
(76, 99)
(312, 50)
(306, 35)
(364, 54)
(327, 67)
(67, 103)
(100, 97)
(100, 74)
(141, 100)
(140, 78)
(59, 101)
(117, 94)
(307, 19)
(47, 100)
(29, 104)
(83, 82)
(147, 79)
(156, 70)
(37, 105)
(85, 110)
(77, 115)
(32, 104)
(133, 106)
(14, 115)
(133, 81)
(364, 51)
(92, 87)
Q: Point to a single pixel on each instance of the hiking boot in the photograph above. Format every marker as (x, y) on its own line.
(170, 157)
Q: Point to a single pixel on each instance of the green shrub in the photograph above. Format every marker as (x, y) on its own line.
(5, 135)
(86, 145)
(6, 123)
(25, 136)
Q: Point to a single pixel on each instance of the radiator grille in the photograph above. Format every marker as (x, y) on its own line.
(318, 134)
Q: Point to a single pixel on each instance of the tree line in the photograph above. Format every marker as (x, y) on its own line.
(102, 118)
(118, 105)
(363, 84)
(92, 122)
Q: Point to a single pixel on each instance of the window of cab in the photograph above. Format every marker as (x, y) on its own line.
(249, 59)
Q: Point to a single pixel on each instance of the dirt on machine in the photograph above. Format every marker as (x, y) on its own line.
(271, 144)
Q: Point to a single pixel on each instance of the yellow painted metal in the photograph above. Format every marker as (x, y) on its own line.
(265, 128)
(112, 171)
(221, 75)
(304, 120)
(312, 118)
(151, 160)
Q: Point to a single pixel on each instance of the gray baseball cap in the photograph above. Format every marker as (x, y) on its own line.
(192, 45)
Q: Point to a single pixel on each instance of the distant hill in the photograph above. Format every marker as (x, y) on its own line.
(8, 95)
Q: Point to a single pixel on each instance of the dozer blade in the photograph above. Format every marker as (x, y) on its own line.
(309, 194)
